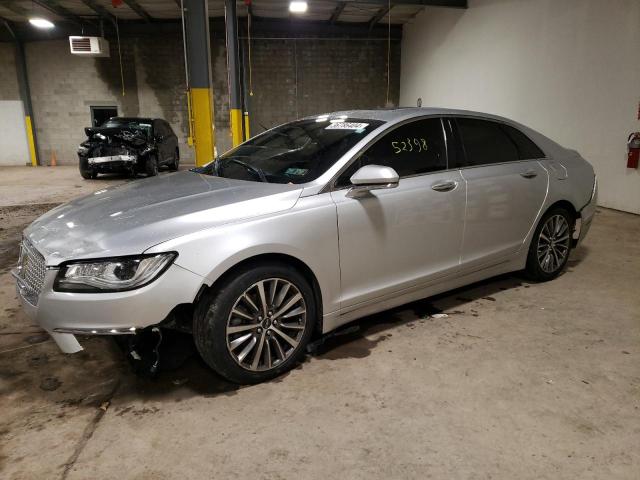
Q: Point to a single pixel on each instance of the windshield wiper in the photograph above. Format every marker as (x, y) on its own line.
(258, 171)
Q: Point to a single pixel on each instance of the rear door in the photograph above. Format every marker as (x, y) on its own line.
(506, 188)
(172, 141)
(162, 141)
(394, 239)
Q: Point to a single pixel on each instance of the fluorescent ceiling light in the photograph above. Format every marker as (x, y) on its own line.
(298, 7)
(40, 23)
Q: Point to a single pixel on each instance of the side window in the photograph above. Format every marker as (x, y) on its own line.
(411, 149)
(527, 150)
(485, 142)
(167, 128)
(157, 128)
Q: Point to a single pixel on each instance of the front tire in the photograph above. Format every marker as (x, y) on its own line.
(550, 245)
(86, 171)
(257, 324)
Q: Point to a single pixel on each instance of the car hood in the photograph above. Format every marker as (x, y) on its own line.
(130, 218)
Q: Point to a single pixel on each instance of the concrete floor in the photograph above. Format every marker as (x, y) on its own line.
(518, 381)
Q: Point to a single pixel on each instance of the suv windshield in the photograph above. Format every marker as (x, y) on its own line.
(131, 123)
(297, 152)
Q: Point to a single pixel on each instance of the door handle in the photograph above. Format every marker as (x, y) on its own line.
(529, 174)
(444, 186)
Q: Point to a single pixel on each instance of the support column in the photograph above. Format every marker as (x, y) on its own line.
(244, 88)
(233, 66)
(198, 50)
(25, 95)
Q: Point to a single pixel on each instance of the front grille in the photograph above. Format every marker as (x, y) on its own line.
(30, 272)
(115, 150)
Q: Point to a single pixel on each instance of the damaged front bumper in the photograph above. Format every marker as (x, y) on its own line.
(64, 315)
(112, 158)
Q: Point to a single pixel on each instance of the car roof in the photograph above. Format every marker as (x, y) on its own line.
(394, 114)
(135, 119)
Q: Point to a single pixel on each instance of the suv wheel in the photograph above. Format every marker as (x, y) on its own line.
(173, 166)
(151, 166)
(551, 245)
(257, 325)
(86, 171)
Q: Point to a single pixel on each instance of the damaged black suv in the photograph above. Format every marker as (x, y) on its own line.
(129, 145)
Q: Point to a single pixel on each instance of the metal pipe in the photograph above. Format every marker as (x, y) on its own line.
(233, 62)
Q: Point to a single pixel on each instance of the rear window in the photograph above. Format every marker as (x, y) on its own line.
(527, 150)
(486, 142)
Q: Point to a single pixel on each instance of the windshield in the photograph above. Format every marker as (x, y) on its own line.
(297, 152)
(130, 123)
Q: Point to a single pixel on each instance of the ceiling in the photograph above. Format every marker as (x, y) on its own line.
(330, 11)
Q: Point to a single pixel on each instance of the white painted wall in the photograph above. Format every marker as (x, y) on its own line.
(567, 68)
(14, 149)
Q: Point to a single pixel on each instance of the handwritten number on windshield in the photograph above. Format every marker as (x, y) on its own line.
(409, 145)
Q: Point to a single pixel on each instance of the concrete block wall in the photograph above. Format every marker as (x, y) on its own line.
(161, 84)
(63, 87)
(220, 85)
(9, 89)
(292, 78)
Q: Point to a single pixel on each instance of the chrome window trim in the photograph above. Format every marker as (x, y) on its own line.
(446, 142)
(331, 186)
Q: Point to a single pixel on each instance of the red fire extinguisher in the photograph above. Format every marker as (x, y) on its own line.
(633, 150)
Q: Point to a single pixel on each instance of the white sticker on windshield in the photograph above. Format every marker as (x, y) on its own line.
(346, 126)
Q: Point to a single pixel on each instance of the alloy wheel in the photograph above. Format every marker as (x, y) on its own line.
(266, 324)
(553, 243)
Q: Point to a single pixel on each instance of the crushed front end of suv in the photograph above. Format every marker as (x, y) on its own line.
(125, 145)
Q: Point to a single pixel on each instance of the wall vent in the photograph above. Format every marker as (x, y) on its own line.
(89, 46)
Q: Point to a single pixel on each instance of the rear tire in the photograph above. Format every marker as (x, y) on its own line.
(151, 166)
(264, 340)
(551, 245)
(173, 166)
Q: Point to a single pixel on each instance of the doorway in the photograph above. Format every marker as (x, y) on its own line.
(100, 114)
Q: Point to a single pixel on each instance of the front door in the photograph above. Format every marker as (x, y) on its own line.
(401, 237)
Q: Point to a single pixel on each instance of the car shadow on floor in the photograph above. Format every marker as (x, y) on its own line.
(353, 340)
(356, 339)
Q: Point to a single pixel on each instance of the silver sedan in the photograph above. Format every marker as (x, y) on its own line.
(304, 228)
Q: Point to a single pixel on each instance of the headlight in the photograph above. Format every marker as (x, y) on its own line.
(112, 274)
(83, 150)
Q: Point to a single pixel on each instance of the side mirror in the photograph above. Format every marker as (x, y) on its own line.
(372, 177)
